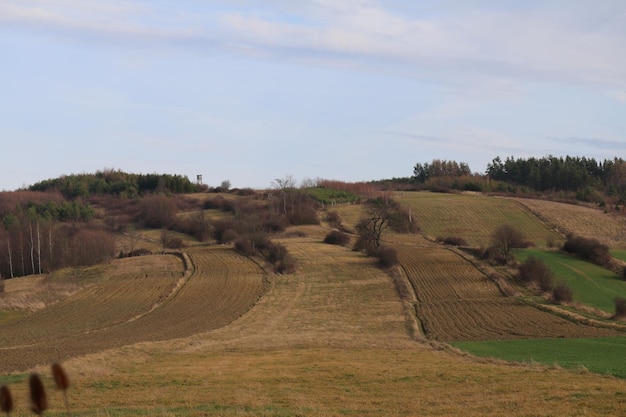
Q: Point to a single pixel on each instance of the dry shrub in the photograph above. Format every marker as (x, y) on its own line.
(287, 265)
(364, 244)
(333, 218)
(588, 248)
(225, 231)
(244, 246)
(387, 257)
(620, 307)
(89, 247)
(535, 270)
(452, 240)
(135, 252)
(276, 224)
(157, 211)
(170, 241)
(562, 293)
(336, 237)
(219, 203)
(196, 225)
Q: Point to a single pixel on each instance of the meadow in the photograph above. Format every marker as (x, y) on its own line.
(210, 332)
(602, 355)
(591, 284)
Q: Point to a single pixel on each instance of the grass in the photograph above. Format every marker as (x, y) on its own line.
(602, 355)
(590, 284)
(473, 217)
(619, 254)
(330, 340)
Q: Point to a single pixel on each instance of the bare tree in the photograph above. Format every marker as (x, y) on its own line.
(371, 227)
(285, 186)
(505, 238)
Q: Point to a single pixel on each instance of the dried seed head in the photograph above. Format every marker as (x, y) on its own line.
(60, 377)
(38, 403)
(6, 401)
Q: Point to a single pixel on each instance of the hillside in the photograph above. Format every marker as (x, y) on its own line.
(228, 337)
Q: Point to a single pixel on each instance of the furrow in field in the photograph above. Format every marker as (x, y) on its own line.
(457, 302)
(222, 287)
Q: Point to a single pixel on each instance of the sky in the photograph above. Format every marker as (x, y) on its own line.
(351, 90)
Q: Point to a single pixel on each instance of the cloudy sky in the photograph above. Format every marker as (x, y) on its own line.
(353, 90)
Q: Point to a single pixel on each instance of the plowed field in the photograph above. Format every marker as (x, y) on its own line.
(158, 301)
(457, 302)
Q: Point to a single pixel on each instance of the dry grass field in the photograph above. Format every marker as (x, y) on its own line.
(584, 221)
(333, 339)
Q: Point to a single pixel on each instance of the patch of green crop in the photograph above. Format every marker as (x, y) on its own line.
(619, 254)
(604, 355)
(591, 284)
(332, 196)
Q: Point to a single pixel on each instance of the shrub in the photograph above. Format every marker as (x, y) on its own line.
(620, 307)
(387, 257)
(157, 211)
(363, 244)
(287, 265)
(171, 241)
(333, 218)
(535, 270)
(276, 224)
(196, 225)
(224, 231)
(337, 238)
(588, 248)
(135, 252)
(562, 294)
(244, 247)
(219, 203)
(452, 240)
(89, 247)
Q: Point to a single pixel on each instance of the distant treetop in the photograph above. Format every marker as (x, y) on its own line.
(115, 183)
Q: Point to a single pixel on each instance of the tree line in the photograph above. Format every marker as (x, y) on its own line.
(40, 232)
(568, 174)
(119, 183)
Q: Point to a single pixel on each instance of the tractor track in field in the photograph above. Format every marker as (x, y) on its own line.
(213, 287)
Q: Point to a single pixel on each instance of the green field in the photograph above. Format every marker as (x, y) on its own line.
(619, 254)
(590, 284)
(603, 355)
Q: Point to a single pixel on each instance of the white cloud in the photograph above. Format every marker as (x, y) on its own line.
(458, 46)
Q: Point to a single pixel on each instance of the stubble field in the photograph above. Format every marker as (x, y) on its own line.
(333, 339)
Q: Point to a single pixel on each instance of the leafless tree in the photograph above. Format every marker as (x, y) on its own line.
(505, 238)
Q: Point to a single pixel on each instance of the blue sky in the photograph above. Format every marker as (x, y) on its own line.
(354, 90)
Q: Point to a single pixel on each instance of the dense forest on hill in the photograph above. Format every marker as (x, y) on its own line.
(581, 175)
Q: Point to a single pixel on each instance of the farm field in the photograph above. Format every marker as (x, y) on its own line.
(591, 284)
(331, 340)
(224, 338)
(473, 217)
(584, 221)
(457, 302)
(602, 355)
(135, 300)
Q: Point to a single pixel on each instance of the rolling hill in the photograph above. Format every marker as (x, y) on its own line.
(211, 332)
